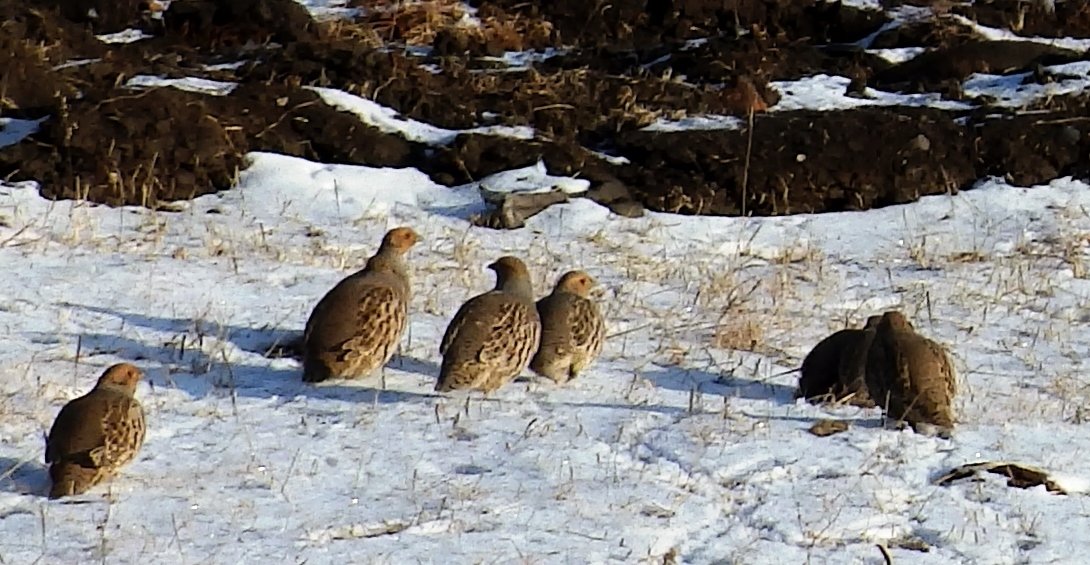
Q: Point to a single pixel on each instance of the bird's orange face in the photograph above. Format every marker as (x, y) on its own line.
(122, 375)
(576, 282)
(402, 239)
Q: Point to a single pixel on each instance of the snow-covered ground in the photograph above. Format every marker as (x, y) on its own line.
(683, 444)
(684, 439)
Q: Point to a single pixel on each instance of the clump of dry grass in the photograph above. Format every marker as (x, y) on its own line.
(415, 23)
(421, 23)
(738, 330)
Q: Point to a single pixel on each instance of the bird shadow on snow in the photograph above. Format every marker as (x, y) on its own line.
(198, 372)
(727, 385)
(23, 477)
(266, 341)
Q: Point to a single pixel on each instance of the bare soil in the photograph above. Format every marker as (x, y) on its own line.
(616, 69)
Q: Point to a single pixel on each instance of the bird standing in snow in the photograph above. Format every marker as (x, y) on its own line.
(835, 368)
(572, 329)
(911, 377)
(356, 326)
(95, 434)
(493, 335)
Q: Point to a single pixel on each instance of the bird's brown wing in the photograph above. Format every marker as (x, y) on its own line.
(99, 429)
(355, 308)
(76, 431)
(933, 382)
(512, 337)
(123, 433)
(376, 325)
(587, 327)
(555, 313)
(470, 321)
(947, 367)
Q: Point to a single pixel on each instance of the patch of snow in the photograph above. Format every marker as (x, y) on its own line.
(75, 63)
(691, 44)
(189, 84)
(388, 120)
(612, 159)
(325, 10)
(415, 50)
(705, 122)
(694, 448)
(531, 180)
(899, 54)
(130, 35)
(898, 16)
(525, 59)
(1071, 484)
(14, 130)
(235, 65)
(997, 34)
(1012, 91)
(321, 194)
(864, 4)
(824, 92)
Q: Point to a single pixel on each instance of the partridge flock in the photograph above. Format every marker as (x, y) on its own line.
(357, 326)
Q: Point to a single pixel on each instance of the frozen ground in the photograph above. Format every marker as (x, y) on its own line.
(683, 440)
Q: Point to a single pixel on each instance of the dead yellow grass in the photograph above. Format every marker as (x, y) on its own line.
(739, 331)
(420, 23)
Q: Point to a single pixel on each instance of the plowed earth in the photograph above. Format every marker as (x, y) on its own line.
(609, 73)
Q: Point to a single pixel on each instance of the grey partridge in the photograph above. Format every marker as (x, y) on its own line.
(911, 377)
(834, 369)
(572, 329)
(357, 325)
(493, 335)
(95, 434)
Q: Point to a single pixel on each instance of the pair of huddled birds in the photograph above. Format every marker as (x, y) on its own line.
(352, 332)
(886, 364)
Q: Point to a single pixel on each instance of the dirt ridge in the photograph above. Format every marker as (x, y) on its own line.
(611, 73)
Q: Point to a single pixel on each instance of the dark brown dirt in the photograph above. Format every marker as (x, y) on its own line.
(929, 71)
(1031, 18)
(628, 24)
(624, 65)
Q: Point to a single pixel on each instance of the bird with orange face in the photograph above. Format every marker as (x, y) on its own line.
(96, 434)
(572, 329)
(357, 326)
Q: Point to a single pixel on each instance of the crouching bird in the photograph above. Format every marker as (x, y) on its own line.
(572, 329)
(911, 377)
(835, 369)
(96, 434)
(357, 325)
(493, 335)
